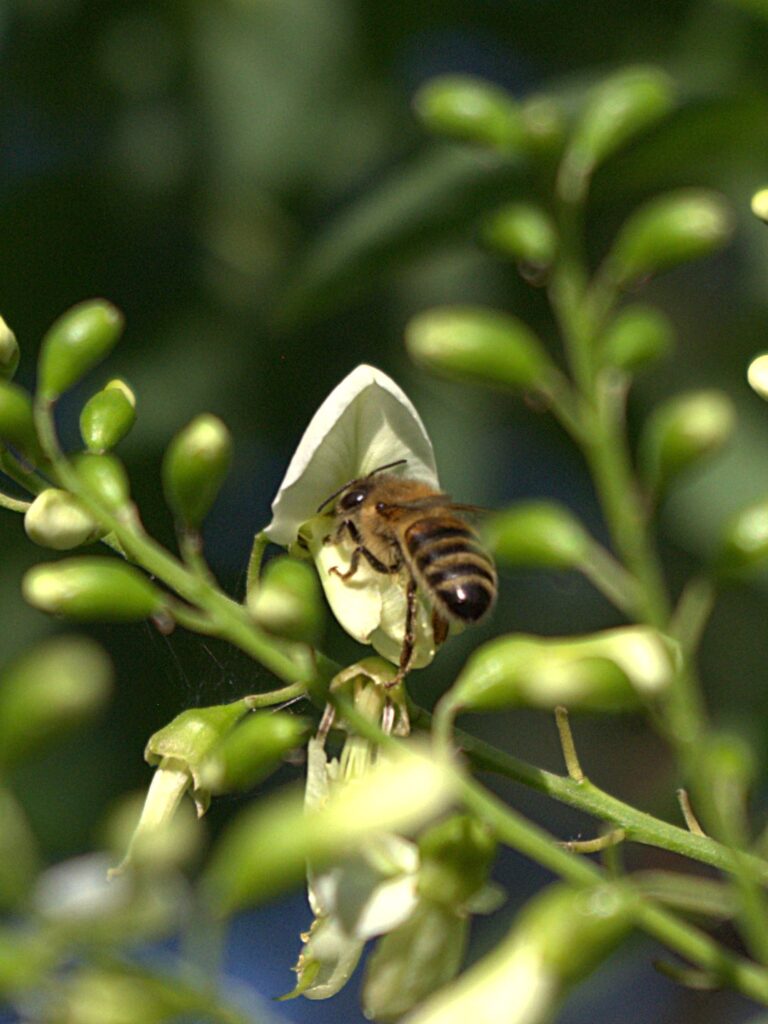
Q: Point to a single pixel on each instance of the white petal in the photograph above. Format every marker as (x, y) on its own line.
(365, 422)
(390, 904)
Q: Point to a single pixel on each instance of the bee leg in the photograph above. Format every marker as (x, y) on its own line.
(409, 639)
(370, 558)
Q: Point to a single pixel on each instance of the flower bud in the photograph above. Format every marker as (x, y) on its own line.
(618, 108)
(56, 519)
(470, 109)
(757, 375)
(195, 464)
(105, 478)
(17, 426)
(91, 589)
(673, 228)
(109, 995)
(287, 600)
(456, 856)
(544, 123)
(606, 671)
(524, 232)
(682, 431)
(250, 752)
(759, 204)
(538, 533)
(45, 693)
(638, 336)
(478, 344)
(108, 416)
(19, 856)
(76, 342)
(9, 351)
(187, 741)
(744, 542)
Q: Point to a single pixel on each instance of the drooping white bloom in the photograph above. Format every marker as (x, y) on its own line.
(365, 423)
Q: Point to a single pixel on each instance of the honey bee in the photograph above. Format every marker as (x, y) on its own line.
(405, 526)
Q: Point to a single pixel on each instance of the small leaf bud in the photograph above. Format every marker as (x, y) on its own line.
(9, 351)
(524, 232)
(744, 543)
(108, 416)
(195, 464)
(105, 478)
(91, 590)
(473, 343)
(76, 342)
(56, 519)
(617, 109)
(605, 671)
(456, 856)
(247, 754)
(757, 375)
(187, 741)
(682, 431)
(45, 693)
(287, 601)
(470, 109)
(671, 229)
(538, 533)
(639, 335)
(17, 426)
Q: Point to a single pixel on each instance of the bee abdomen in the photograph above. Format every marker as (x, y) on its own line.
(456, 570)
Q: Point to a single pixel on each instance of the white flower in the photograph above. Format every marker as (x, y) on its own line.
(365, 423)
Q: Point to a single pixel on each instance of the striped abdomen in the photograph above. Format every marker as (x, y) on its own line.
(452, 566)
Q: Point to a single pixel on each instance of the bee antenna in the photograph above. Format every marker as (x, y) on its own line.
(379, 469)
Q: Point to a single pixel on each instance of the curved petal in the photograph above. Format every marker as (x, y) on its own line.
(365, 422)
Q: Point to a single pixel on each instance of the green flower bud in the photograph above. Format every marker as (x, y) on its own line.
(606, 671)
(757, 375)
(91, 589)
(538, 533)
(247, 754)
(45, 693)
(108, 416)
(682, 431)
(617, 109)
(17, 426)
(524, 232)
(639, 335)
(744, 543)
(456, 856)
(478, 344)
(194, 467)
(19, 857)
(56, 519)
(9, 351)
(26, 958)
(287, 601)
(105, 478)
(673, 228)
(759, 204)
(544, 123)
(76, 342)
(187, 741)
(104, 995)
(468, 108)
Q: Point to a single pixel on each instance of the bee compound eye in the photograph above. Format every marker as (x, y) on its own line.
(352, 499)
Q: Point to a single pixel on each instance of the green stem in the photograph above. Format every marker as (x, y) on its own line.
(258, 548)
(281, 696)
(13, 504)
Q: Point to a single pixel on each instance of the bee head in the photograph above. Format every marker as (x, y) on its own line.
(354, 492)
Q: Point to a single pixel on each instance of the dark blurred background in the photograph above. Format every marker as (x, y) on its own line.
(246, 180)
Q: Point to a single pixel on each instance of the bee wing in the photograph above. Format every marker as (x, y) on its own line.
(468, 510)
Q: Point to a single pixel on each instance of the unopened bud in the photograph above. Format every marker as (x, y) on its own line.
(17, 426)
(538, 533)
(544, 123)
(637, 337)
(456, 856)
(606, 671)
(473, 343)
(470, 109)
(57, 686)
(108, 416)
(744, 543)
(194, 467)
(247, 754)
(287, 600)
(56, 519)
(105, 478)
(524, 232)
(76, 342)
(9, 351)
(682, 431)
(759, 204)
(757, 375)
(673, 228)
(91, 590)
(617, 109)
